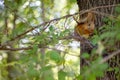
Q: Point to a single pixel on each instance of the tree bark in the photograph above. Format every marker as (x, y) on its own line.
(87, 4)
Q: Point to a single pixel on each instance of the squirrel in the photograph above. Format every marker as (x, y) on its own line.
(86, 26)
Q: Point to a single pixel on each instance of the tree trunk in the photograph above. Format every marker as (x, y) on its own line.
(87, 4)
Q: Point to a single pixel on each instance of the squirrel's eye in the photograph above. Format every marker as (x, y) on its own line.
(89, 24)
(82, 23)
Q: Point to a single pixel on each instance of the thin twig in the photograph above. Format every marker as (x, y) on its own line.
(110, 56)
(104, 14)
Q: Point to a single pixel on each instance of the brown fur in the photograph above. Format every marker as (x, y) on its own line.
(86, 26)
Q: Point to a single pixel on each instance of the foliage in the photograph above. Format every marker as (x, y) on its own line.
(43, 53)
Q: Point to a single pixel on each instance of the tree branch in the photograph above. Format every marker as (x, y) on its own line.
(57, 19)
(28, 48)
(15, 49)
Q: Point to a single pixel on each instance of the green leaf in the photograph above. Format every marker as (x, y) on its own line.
(20, 28)
(91, 77)
(4, 39)
(95, 39)
(105, 19)
(80, 77)
(117, 70)
(98, 69)
(45, 68)
(110, 69)
(72, 1)
(107, 35)
(117, 9)
(34, 50)
(47, 73)
(54, 55)
(85, 55)
(118, 36)
(32, 72)
(51, 28)
(61, 75)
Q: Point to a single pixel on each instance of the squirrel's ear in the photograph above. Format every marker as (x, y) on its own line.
(90, 16)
